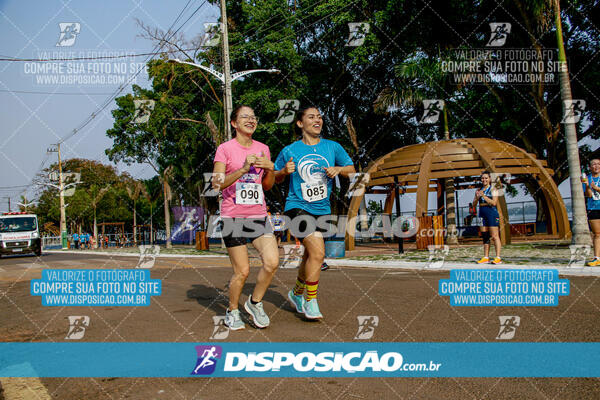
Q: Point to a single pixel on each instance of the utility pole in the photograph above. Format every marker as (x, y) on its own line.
(63, 218)
(8, 198)
(61, 191)
(226, 69)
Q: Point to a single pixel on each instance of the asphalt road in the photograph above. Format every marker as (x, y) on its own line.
(194, 290)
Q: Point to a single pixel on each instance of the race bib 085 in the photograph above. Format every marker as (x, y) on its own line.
(314, 191)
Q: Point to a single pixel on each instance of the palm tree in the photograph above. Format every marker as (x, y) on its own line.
(134, 190)
(543, 11)
(151, 199)
(167, 194)
(96, 195)
(422, 78)
(581, 232)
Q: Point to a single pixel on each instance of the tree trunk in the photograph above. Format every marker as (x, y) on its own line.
(581, 232)
(134, 224)
(95, 227)
(452, 232)
(167, 214)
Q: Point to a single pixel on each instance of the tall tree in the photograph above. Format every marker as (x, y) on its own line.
(581, 232)
(419, 79)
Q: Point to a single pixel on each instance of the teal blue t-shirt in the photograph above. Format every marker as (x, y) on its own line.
(593, 203)
(309, 178)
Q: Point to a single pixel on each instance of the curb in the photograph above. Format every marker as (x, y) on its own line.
(421, 266)
(117, 254)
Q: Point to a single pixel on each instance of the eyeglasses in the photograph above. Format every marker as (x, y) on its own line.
(249, 117)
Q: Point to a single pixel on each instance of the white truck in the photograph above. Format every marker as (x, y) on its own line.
(19, 234)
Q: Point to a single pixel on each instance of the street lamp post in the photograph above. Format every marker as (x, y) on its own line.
(226, 80)
(26, 204)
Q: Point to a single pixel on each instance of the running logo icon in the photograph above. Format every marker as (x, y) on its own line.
(287, 111)
(579, 253)
(432, 111)
(499, 182)
(77, 326)
(500, 31)
(573, 109)
(143, 109)
(72, 179)
(508, 326)
(221, 331)
(148, 256)
(207, 359)
(292, 256)
(358, 33)
(358, 183)
(212, 35)
(437, 256)
(366, 326)
(68, 33)
(212, 180)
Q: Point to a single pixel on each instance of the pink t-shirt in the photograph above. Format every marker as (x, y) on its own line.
(233, 155)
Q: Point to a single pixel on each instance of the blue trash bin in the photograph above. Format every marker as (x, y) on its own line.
(335, 249)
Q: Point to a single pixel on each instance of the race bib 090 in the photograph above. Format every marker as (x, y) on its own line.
(248, 193)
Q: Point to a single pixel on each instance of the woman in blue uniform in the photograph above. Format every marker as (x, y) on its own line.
(591, 188)
(487, 200)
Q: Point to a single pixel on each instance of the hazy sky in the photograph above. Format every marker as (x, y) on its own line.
(32, 122)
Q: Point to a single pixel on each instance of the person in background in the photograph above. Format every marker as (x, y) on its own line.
(278, 225)
(591, 188)
(487, 198)
(76, 240)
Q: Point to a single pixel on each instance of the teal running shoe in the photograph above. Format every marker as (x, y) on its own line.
(259, 317)
(233, 319)
(311, 309)
(297, 301)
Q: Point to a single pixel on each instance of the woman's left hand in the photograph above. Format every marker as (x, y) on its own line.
(264, 163)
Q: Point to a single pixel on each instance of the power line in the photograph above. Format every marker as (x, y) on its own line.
(122, 87)
(60, 93)
(13, 187)
(12, 59)
(110, 99)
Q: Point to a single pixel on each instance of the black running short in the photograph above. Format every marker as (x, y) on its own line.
(302, 223)
(593, 214)
(240, 231)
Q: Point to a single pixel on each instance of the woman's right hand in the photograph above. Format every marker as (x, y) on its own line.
(250, 160)
(290, 166)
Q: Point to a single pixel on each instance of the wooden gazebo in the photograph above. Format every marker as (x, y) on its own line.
(419, 166)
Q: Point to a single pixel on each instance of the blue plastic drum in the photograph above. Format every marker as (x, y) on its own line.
(335, 249)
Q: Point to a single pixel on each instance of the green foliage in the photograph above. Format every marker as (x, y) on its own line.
(113, 206)
(402, 54)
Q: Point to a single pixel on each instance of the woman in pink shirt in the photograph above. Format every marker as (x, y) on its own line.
(247, 169)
